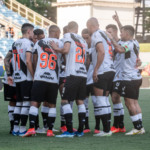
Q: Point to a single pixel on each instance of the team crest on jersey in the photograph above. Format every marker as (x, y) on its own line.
(47, 75)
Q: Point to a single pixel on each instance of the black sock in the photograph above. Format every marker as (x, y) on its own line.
(121, 121)
(32, 120)
(44, 116)
(63, 123)
(68, 118)
(140, 122)
(11, 125)
(97, 120)
(87, 123)
(109, 121)
(104, 119)
(50, 122)
(16, 119)
(24, 119)
(37, 122)
(81, 117)
(116, 121)
(137, 125)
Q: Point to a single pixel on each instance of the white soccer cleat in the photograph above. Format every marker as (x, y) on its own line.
(142, 131)
(135, 131)
(54, 130)
(102, 133)
(41, 131)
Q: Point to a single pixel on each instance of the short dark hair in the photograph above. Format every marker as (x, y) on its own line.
(113, 26)
(85, 31)
(53, 28)
(25, 27)
(38, 32)
(72, 25)
(129, 28)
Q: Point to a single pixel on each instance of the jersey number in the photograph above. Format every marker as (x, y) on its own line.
(17, 57)
(80, 55)
(110, 48)
(50, 62)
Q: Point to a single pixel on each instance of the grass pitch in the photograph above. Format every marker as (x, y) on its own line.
(116, 142)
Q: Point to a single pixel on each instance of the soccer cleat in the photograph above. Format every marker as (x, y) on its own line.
(54, 130)
(22, 133)
(63, 129)
(96, 131)
(134, 132)
(41, 131)
(142, 131)
(86, 130)
(50, 133)
(74, 130)
(102, 133)
(15, 133)
(66, 134)
(114, 129)
(122, 129)
(78, 134)
(30, 132)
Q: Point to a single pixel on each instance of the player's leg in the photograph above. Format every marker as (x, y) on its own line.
(26, 87)
(51, 97)
(37, 95)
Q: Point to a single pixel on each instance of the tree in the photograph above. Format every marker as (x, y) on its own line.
(42, 7)
(147, 20)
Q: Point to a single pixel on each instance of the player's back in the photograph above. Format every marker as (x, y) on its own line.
(19, 49)
(47, 68)
(75, 59)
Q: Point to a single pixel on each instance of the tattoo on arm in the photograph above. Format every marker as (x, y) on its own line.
(7, 62)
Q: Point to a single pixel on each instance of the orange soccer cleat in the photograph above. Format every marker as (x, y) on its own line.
(50, 133)
(86, 130)
(30, 132)
(114, 129)
(63, 129)
(96, 131)
(122, 129)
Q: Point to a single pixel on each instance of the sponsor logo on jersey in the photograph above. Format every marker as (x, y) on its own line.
(47, 75)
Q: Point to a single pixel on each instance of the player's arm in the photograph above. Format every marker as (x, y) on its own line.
(64, 50)
(8, 68)
(7, 63)
(138, 62)
(88, 61)
(29, 63)
(118, 48)
(100, 58)
(116, 18)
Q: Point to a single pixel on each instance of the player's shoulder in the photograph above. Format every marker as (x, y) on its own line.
(96, 34)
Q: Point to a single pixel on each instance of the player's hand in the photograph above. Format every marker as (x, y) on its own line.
(116, 17)
(95, 78)
(138, 62)
(10, 80)
(54, 45)
(109, 35)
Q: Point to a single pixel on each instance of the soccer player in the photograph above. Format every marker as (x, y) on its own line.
(75, 49)
(21, 55)
(103, 73)
(131, 77)
(45, 85)
(10, 95)
(89, 86)
(118, 125)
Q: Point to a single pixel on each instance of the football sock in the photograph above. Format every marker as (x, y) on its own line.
(44, 112)
(24, 115)
(109, 111)
(140, 119)
(121, 118)
(136, 122)
(51, 118)
(81, 117)
(68, 117)
(87, 113)
(17, 112)
(33, 112)
(116, 110)
(62, 118)
(11, 116)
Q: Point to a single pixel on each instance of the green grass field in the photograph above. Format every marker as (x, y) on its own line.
(116, 142)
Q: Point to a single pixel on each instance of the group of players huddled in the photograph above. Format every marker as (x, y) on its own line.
(97, 63)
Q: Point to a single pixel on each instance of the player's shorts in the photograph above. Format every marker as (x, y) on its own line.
(130, 89)
(44, 91)
(62, 80)
(23, 91)
(117, 87)
(9, 93)
(105, 81)
(89, 90)
(74, 88)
